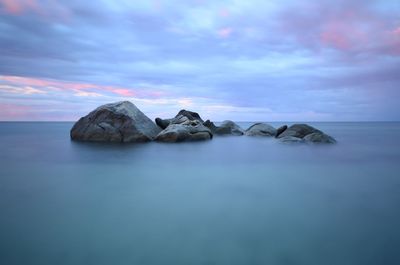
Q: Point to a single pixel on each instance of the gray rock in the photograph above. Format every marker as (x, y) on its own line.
(190, 115)
(183, 129)
(290, 139)
(210, 125)
(319, 137)
(280, 130)
(229, 127)
(163, 123)
(308, 133)
(298, 130)
(261, 129)
(115, 122)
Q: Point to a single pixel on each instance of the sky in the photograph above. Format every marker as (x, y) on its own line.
(243, 60)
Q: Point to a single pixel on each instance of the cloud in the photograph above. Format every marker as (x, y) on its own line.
(312, 59)
(18, 6)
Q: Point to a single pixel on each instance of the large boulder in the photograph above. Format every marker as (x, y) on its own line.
(261, 129)
(183, 129)
(115, 122)
(319, 137)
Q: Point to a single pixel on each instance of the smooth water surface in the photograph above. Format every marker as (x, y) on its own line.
(232, 200)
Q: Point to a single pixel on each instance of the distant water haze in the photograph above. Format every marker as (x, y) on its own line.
(231, 200)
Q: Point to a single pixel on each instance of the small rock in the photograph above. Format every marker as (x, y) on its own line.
(190, 115)
(261, 129)
(229, 127)
(298, 130)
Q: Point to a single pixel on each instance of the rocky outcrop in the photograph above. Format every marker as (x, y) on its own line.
(183, 129)
(306, 133)
(115, 122)
(124, 122)
(261, 129)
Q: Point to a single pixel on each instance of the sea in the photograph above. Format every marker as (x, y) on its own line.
(229, 201)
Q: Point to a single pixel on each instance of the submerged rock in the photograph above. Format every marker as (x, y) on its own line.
(183, 129)
(261, 129)
(280, 130)
(115, 122)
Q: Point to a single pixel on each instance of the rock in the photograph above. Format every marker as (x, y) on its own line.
(183, 129)
(115, 122)
(163, 123)
(190, 115)
(229, 127)
(319, 137)
(210, 125)
(298, 130)
(308, 133)
(280, 130)
(290, 139)
(226, 128)
(261, 129)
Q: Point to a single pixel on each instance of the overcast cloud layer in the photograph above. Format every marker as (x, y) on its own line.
(234, 59)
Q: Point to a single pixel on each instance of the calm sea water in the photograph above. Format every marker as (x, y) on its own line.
(232, 200)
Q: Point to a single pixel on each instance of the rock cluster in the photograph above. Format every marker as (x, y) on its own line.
(124, 122)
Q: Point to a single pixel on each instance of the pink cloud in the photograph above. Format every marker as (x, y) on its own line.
(76, 87)
(346, 27)
(17, 7)
(14, 111)
(225, 32)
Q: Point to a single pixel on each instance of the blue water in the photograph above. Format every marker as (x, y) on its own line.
(232, 200)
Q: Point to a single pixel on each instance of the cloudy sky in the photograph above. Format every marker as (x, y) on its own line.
(275, 60)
